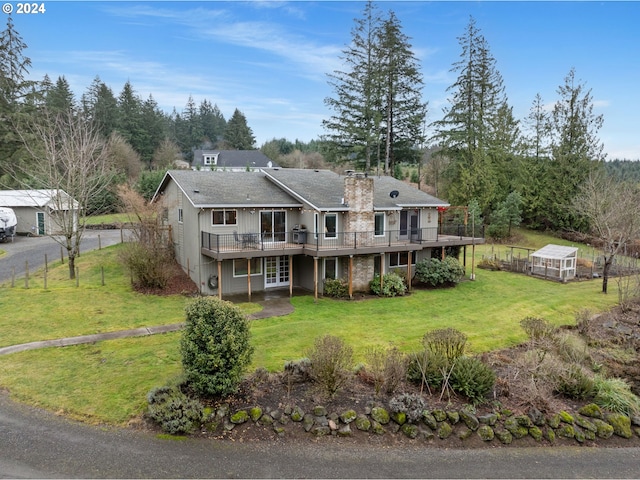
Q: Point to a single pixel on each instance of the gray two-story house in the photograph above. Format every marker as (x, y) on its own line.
(243, 232)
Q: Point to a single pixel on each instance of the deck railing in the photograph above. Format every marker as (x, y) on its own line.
(330, 240)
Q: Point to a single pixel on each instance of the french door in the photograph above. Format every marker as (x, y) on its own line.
(276, 271)
(273, 225)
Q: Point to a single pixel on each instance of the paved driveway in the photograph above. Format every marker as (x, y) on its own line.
(34, 249)
(37, 444)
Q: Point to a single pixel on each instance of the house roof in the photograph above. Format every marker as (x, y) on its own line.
(555, 252)
(287, 188)
(219, 189)
(324, 190)
(235, 158)
(37, 199)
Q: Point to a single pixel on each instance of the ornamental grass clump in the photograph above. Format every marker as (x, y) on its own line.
(615, 395)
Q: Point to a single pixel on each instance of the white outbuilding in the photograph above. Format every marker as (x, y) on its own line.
(40, 212)
(555, 261)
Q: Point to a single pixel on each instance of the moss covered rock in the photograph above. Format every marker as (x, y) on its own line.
(603, 429)
(489, 419)
(319, 411)
(517, 430)
(399, 417)
(554, 421)
(486, 433)
(591, 410)
(255, 413)
(504, 436)
(621, 424)
(465, 433)
(297, 414)
(536, 433)
(348, 416)
(429, 420)
(410, 430)
(344, 431)
(550, 435)
(380, 415)
(241, 416)
(469, 419)
(377, 428)
(579, 435)
(566, 417)
(363, 423)
(445, 430)
(453, 417)
(439, 414)
(586, 424)
(565, 430)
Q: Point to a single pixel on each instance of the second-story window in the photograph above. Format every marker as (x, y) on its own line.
(180, 217)
(330, 225)
(379, 225)
(223, 217)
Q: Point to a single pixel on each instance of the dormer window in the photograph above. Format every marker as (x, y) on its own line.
(210, 159)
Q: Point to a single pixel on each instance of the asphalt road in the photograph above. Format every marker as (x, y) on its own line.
(34, 249)
(38, 444)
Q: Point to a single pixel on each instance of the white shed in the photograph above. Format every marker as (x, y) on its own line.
(555, 261)
(40, 212)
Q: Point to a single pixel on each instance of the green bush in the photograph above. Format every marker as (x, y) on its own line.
(176, 413)
(331, 363)
(472, 378)
(215, 346)
(437, 273)
(392, 285)
(336, 288)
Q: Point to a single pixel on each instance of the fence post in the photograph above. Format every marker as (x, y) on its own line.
(61, 255)
(99, 242)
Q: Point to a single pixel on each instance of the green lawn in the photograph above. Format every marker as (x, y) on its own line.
(107, 382)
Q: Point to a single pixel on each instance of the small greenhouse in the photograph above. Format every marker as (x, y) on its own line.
(555, 261)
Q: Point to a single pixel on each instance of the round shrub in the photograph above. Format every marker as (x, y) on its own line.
(392, 285)
(336, 288)
(331, 362)
(215, 346)
(437, 273)
(176, 413)
(472, 378)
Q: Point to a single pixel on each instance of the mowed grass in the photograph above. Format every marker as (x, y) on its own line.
(108, 381)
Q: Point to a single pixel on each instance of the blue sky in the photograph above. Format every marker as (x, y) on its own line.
(270, 58)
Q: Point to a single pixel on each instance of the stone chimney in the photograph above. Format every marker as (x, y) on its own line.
(358, 196)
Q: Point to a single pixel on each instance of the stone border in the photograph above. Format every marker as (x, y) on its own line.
(588, 424)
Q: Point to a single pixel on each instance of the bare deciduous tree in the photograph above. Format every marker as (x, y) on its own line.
(612, 209)
(71, 159)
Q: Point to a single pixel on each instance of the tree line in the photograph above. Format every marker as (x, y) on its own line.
(479, 153)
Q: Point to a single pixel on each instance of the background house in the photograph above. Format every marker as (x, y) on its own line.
(231, 160)
(38, 211)
(239, 232)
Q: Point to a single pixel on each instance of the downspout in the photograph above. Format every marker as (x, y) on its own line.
(200, 255)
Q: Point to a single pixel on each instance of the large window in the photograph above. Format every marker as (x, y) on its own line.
(400, 259)
(180, 217)
(223, 217)
(240, 267)
(379, 225)
(330, 225)
(331, 268)
(273, 225)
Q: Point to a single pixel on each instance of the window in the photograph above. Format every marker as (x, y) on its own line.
(316, 225)
(180, 219)
(330, 225)
(400, 259)
(210, 160)
(240, 267)
(379, 225)
(331, 268)
(223, 217)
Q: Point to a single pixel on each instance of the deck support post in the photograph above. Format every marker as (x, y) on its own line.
(350, 276)
(315, 279)
(409, 272)
(220, 279)
(249, 277)
(290, 276)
